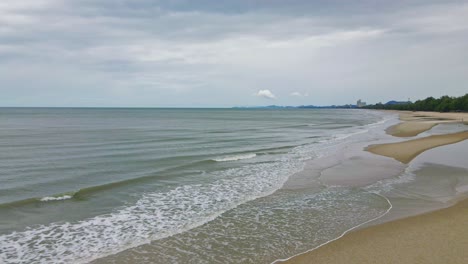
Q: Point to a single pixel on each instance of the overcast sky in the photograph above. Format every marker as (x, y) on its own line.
(214, 53)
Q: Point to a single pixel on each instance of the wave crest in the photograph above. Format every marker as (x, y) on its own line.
(236, 157)
(55, 198)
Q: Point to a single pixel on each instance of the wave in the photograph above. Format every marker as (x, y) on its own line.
(36, 200)
(152, 217)
(236, 157)
(280, 150)
(56, 198)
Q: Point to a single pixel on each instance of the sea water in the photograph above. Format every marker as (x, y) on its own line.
(174, 185)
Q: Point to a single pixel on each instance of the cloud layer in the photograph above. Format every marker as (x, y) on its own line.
(201, 53)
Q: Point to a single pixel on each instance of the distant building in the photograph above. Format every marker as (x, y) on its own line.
(360, 103)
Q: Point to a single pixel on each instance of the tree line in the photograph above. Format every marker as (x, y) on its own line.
(442, 104)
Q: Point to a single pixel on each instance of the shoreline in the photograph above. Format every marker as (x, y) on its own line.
(395, 241)
(432, 237)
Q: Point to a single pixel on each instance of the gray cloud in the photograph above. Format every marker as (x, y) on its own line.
(194, 53)
(299, 94)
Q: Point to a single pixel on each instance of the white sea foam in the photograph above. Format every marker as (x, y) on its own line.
(57, 198)
(366, 128)
(387, 185)
(271, 219)
(345, 136)
(236, 157)
(154, 216)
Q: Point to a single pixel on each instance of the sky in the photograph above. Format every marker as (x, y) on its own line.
(214, 53)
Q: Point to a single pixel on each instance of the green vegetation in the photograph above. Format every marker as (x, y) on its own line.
(443, 104)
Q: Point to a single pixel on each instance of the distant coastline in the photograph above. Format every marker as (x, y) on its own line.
(443, 104)
(431, 104)
(350, 106)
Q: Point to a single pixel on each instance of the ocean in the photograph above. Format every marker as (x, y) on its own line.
(119, 185)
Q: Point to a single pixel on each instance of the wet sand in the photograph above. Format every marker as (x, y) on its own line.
(410, 129)
(436, 237)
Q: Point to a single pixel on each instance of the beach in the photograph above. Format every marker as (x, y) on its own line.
(233, 132)
(439, 236)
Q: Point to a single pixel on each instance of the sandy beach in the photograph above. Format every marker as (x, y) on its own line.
(436, 237)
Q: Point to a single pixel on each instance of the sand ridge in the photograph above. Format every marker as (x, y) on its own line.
(414, 123)
(408, 150)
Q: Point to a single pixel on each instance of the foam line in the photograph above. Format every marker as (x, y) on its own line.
(344, 233)
(236, 157)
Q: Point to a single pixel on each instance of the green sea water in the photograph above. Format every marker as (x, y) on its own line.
(171, 185)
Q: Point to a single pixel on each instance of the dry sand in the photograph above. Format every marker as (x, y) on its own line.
(436, 237)
(408, 150)
(415, 123)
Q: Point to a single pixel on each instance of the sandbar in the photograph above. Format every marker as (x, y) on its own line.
(408, 150)
(415, 123)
